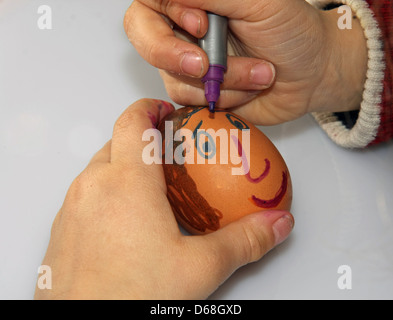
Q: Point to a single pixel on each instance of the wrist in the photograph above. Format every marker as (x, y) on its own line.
(344, 67)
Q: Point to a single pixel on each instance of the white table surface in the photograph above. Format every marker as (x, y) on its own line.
(61, 91)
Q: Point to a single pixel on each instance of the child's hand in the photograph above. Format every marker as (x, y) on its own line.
(317, 66)
(116, 237)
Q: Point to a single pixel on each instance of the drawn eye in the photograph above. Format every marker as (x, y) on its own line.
(237, 122)
(205, 145)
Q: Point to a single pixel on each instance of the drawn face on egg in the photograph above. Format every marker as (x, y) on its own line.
(205, 194)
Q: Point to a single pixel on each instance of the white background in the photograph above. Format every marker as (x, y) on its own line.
(61, 91)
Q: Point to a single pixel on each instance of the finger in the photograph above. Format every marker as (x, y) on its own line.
(245, 79)
(127, 144)
(103, 155)
(271, 107)
(158, 44)
(248, 74)
(192, 20)
(250, 238)
(244, 241)
(185, 93)
(261, 112)
(228, 8)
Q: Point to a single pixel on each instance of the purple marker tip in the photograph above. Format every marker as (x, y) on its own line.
(212, 105)
(212, 80)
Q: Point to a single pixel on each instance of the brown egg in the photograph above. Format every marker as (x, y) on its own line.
(219, 167)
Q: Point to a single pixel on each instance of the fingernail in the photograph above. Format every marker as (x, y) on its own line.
(262, 74)
(191, 64)
(282, 228)
(191, 22)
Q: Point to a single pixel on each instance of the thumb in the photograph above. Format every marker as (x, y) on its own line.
(243, 241)
(250, 238)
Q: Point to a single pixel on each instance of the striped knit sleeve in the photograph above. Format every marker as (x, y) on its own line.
(373, 123)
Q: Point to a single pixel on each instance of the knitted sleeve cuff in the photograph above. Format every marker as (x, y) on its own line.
(365, 128)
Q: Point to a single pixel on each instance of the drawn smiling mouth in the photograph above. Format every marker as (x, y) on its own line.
(266, 204)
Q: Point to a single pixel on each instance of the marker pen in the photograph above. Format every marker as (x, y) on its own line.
(214, 43)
